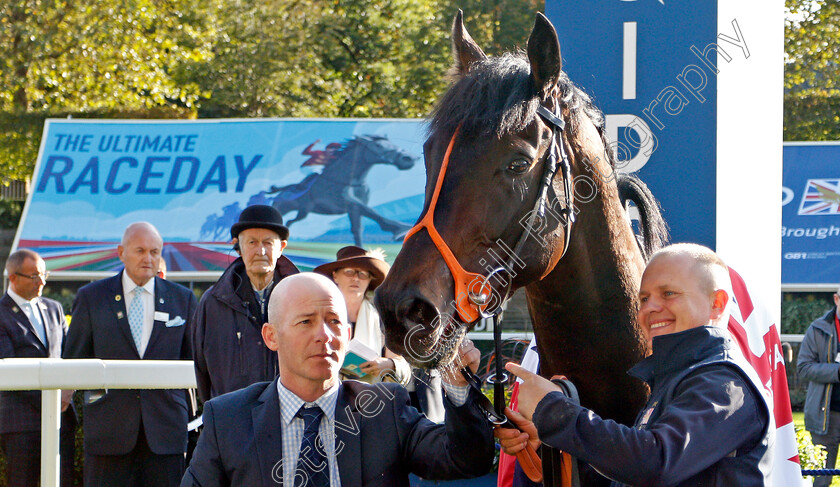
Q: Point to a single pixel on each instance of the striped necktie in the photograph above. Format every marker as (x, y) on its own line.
(312, 464)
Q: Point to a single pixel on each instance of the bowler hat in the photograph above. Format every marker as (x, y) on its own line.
(352, 256)
(260, 216)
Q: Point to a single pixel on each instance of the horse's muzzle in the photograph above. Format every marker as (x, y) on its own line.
(415, 328)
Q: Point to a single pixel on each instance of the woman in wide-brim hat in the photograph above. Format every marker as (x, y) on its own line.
(357, 273)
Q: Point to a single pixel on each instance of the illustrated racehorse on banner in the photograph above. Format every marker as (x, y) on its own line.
(342, 186)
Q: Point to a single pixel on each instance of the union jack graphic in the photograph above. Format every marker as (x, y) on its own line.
(822, 197)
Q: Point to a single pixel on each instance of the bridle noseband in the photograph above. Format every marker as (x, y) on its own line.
(471, 296)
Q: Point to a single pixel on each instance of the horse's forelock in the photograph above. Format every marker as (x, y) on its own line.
(496, 98)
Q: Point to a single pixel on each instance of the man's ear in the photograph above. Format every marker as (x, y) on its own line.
(283, 244)
(719, 300)
(269, 335)
(235, 243)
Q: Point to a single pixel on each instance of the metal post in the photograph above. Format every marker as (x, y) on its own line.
(50, 426)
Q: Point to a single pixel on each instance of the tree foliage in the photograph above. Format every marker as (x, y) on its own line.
(95, 58)
(800, 309)
(100, 55)
(297, 58)
(355, 58)
(349, 58)
(229, 58)
(812, 72)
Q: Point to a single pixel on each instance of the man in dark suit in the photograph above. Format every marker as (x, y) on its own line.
(134, 437)
(30, 326)
(309, 428)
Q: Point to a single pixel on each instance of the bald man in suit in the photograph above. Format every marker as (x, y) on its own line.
(134, 437)
(307, 427)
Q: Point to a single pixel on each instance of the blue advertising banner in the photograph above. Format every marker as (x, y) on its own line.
(651, 67)
(811, 214)
(191, 179)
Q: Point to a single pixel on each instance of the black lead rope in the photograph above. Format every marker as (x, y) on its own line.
(499, 384)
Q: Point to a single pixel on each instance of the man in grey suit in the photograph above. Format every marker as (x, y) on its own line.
(134, 437)
(30, 326)
(308, 428)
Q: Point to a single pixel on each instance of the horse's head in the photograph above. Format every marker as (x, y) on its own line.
(493, 132)
(383, 152)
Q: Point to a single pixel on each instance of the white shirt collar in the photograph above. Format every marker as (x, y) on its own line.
(290, 403)
(129, 285)
(19, 300)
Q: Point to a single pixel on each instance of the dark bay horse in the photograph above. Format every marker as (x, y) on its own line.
(569, 242)
(342, 186)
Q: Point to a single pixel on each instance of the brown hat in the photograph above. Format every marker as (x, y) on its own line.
(352, 256)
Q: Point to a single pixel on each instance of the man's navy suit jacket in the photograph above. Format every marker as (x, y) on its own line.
(21, 410)
(99, 329)
(379, 436)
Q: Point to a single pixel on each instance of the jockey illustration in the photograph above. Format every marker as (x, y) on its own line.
(320, 157)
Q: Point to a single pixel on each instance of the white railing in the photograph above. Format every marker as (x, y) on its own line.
(52, 374)
(792, 338)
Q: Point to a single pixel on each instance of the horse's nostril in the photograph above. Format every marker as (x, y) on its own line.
(416, 310)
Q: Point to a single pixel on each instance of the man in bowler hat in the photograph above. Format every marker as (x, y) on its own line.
(228, 348)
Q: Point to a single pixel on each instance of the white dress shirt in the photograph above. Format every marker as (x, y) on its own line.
(148, 298)
(32, 306)
(292, 431)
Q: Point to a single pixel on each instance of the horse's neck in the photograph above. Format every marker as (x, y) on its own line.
(584, 311)
(594, 287)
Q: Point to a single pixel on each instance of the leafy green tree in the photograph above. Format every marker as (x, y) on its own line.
(812, 73)
(100, 55)
(98, 58)
(347, 58)
(498, 25)
(352, 58)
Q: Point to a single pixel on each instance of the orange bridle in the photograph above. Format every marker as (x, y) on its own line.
(472, 290)
(465, 281)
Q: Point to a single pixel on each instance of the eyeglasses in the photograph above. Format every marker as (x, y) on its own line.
(363, 275)
(35, 277)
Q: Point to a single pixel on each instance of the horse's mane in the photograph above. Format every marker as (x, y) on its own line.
(496, 97)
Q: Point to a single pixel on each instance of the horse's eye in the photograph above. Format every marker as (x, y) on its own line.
(519, 166)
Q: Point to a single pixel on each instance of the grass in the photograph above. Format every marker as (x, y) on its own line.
(799, 423)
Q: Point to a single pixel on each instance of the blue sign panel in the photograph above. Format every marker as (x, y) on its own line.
(811, 214)
(651, 66)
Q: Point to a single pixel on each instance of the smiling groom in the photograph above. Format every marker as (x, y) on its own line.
(706, 422)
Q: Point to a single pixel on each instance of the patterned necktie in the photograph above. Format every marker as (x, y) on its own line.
(312, 468)
(135, 316)
(35, 319)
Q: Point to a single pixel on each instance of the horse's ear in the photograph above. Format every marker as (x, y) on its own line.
(464, 49)
(544, 55)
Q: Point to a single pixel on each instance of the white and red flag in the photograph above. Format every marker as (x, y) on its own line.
(754, 328)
